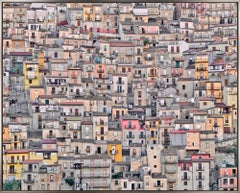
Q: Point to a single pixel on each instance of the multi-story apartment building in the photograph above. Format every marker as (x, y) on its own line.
(227, 178)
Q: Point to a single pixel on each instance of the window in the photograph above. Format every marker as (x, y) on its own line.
(155, 157)
(74, 135)
(125, 184)
(183, 87)
(30, 81)
(185, 183)
(231, 181)
(43, 186)
(98, 150)
(51, 178)
(155, 166)
(116, 182)
(105, 48)
(158, 182)
(55, 54)
(46, 155)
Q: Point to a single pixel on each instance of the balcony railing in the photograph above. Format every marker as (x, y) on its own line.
(51, 136)
(12, 171)
(130, 136)
(200, 177)
(200, 168)
(148, 58)
(142, 136)
(201, 69)
(120, 82)
(95, 175)
(28, 181)
(158, 185)
(130, 127)
(96, 166)
(100, 123)
(14, 161)
(185, 177)
(100, 133)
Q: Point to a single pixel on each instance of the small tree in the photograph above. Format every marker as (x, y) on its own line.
(69, 181)
(12, 185)
(145, 42)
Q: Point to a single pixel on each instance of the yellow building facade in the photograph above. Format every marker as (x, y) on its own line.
(14, 159)
(31, 74)
(48, 156)
(214, 89)
(115, 151)
(201, 67)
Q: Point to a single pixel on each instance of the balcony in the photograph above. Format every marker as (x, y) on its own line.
(148, 58)
(200, 168)
(130, 127)
(152, 74)
(28, 181)
(100, 133)
(201, 69)
(130, 136)
(89, 69)
(184, 178)
(139, 53)
(13, 161)
(158, 185)
(12, 171)
(200, 177)
(95, 175)
(101, 123)
(31, 77)
(51, 136)
(113, 152)
(142, 136)
(27, 170)
(119, 102)
(89, 11)
(120, 82)
(96, 166)
(139, 75)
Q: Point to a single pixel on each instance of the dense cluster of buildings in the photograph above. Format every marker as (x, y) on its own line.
(120, 96)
